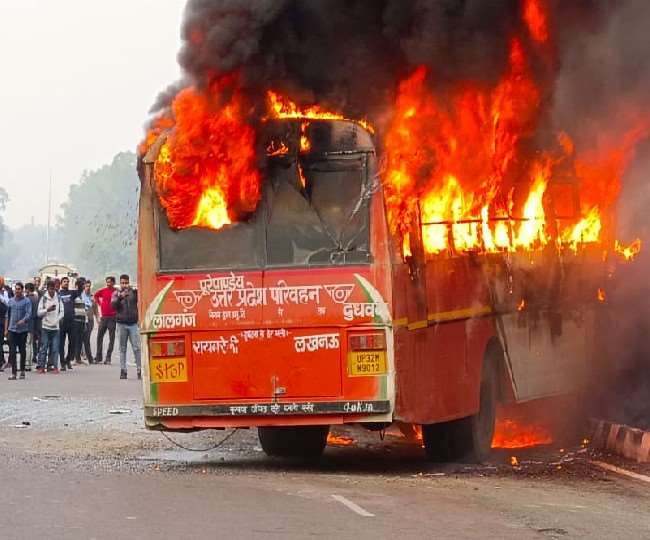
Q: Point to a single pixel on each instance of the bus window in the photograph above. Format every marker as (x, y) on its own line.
(323, 223)
(234, 246)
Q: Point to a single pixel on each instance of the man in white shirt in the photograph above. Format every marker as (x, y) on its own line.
(50, 310)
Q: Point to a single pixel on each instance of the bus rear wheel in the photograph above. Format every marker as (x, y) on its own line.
(293, 441)
(469, 438)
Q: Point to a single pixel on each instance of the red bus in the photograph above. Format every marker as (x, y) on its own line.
(312, 313)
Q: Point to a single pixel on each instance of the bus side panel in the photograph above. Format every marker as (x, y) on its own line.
(438, 367)
(438, 370)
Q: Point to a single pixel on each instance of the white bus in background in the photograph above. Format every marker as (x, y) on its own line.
(54, 270)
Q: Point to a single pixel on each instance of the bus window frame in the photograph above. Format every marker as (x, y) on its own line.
(367, 181)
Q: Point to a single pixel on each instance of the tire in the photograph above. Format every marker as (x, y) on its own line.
(438, 442)
(468, 439)
(476, 432)
(293, 441)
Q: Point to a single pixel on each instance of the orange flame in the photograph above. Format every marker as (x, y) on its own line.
(535, 19)
(301, 176)
(339, 440)
(282, 107)
(205, 174)
(456, 163)
(212, 211)
(600, 294)
(628, 252)
(510, 433)
(305, 145)
(277, 149)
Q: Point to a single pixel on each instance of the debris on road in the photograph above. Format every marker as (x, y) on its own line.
(120, 411)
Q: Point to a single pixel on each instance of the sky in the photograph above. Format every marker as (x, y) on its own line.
(77, 78)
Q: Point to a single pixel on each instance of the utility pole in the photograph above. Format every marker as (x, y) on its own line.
(49, 219)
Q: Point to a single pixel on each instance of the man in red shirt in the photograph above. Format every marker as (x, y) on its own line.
(107, 321)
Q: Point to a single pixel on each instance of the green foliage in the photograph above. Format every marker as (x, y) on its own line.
(99, 221)
(25, 251)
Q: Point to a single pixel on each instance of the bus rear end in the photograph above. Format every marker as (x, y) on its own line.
(281, 320)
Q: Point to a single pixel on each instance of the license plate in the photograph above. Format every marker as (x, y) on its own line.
(168, 370)
(365, 363)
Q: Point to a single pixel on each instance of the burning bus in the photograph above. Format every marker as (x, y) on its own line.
(312, 310)
(298, 270)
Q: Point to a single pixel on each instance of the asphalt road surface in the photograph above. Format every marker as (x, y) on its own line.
(76, 463)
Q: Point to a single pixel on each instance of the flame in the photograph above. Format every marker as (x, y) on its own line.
(305, 145)
(600, 294)
(282, 107)
(514, 461)
(301, 176)
(630, 251)
(339, 440)
(457, 160)
(212, 211)
(277, 149)
(531, 230)
(535, 18)
(521, 305)
(205, 173)
(510, 433)
(406, 246)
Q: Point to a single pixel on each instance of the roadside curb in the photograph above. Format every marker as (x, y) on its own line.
(626, 441)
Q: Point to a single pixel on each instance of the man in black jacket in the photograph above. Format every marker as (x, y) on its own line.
(66, 324)
(125, 303)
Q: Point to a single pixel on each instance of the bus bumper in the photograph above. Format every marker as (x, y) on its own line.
(278, 413)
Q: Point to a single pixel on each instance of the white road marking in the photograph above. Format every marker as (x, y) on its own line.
(619, 470)
(352, 506)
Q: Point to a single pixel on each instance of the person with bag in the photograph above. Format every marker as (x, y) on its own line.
(50, 312)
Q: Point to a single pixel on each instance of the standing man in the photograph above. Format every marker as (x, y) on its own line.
(4, 300)
(17, 328)
(125, 303)
(50, 311)
(65, 326)
(92, 315)
(37, 285)
(104, 299)
(34, 327)
(79, 321)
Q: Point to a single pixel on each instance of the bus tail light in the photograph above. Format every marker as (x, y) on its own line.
(372, 341)
(161, 348)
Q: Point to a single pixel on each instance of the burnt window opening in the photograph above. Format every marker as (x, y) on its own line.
(314, 211)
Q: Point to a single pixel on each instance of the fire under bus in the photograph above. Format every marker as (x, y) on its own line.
(310, 313)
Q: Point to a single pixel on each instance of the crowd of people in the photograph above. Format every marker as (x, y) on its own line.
(52, 324)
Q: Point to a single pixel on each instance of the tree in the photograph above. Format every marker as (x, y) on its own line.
(99, 221)
(4, 199)
(24, 250)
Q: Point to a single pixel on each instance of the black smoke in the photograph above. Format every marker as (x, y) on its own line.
(346, 53)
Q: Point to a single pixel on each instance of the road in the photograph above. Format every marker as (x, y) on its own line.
(84, 467)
